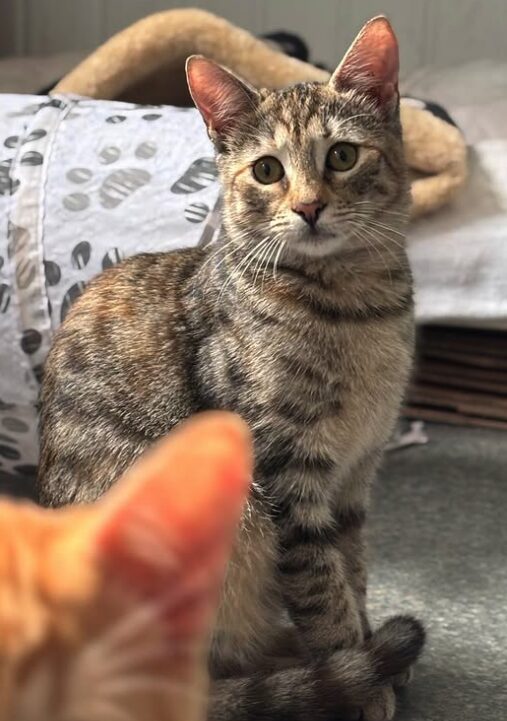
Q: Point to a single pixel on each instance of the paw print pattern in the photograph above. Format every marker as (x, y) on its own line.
(8, 184)
(5, 297)
(52, 272)
(14, 140)
(34, 108)
(118, 185)
(10, 426)
(79, 258)
(18, 249)
(121, 184)
(146, 150)
(32, 157)
(196, 212)
(81, 253)
(112, 258)
(31, 340)
(79, 175)
(199, 175)
(70, 297)
(109, 154)
(17, 427)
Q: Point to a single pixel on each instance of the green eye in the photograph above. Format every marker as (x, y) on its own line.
(268, 170)
(341, 157)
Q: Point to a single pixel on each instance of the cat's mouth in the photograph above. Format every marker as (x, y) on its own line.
(319, 242)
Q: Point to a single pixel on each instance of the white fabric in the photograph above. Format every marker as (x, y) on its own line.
(459, 255)
(83, 184)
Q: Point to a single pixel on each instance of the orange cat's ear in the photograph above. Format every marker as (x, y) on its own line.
(371, 64)
(168, 526)
(220, 96)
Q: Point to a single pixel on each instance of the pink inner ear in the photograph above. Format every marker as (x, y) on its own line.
(171, 520)
(219, 96)
(372, 62)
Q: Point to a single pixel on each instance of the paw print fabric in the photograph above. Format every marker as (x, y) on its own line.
(123, 179)
(83, 185)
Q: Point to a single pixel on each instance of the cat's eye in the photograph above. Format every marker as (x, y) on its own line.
(341, 157)
(268, 170)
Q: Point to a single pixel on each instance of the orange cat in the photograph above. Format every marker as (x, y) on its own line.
(105, 610)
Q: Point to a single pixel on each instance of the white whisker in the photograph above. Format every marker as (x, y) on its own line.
(243, 264)
(380, 232)
(376, 241)
(277, 258)
(266, 265)
(370, 242)
(263, 257)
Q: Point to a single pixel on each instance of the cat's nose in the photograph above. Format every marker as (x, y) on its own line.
(310, 212)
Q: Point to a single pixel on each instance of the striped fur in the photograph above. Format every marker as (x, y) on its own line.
(308, 334)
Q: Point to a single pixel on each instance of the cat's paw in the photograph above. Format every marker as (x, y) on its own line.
(381, 707)
(404, 678)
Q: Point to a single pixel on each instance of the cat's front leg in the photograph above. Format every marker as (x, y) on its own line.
(351, 542)
(328, 610)
(350, 515)
(315, 583)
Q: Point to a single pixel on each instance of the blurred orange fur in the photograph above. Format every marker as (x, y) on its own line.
(106, 610)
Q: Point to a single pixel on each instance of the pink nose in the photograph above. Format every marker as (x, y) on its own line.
(309, 211)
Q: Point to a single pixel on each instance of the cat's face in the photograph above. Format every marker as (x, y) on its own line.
(105, 611)
(315, 169)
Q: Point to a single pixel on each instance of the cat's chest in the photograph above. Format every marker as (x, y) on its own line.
(349, 378)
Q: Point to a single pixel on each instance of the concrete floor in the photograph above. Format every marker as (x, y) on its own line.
(438, 539)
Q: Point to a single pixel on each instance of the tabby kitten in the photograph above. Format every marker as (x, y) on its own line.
(301, 321)
(106, 610)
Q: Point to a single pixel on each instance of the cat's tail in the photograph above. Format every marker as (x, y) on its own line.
(323, 691)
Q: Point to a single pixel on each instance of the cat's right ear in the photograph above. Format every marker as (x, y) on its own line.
(221, 97)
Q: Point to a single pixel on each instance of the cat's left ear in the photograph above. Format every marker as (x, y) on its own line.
(221, 97)
(371, 65)
(167, 527)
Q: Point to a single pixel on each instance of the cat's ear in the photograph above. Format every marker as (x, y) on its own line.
(371, 65)
(167, 527)
(220, 96)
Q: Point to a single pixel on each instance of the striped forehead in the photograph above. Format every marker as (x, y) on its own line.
(299, 148)
(304, 113)
(294, 133)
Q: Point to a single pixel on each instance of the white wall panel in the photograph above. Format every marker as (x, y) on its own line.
(61, 25)
(12, 27)
(464, 30)
(330, 26)
(439, 32)
(118, 14)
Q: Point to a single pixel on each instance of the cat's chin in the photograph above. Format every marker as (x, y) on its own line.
(320, 246)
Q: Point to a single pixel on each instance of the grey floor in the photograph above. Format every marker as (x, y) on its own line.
(438, 538)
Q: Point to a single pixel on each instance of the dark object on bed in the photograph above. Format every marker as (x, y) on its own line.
(434, 108)
(288, 43)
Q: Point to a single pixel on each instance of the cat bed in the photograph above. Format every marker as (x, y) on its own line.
(145, 64)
